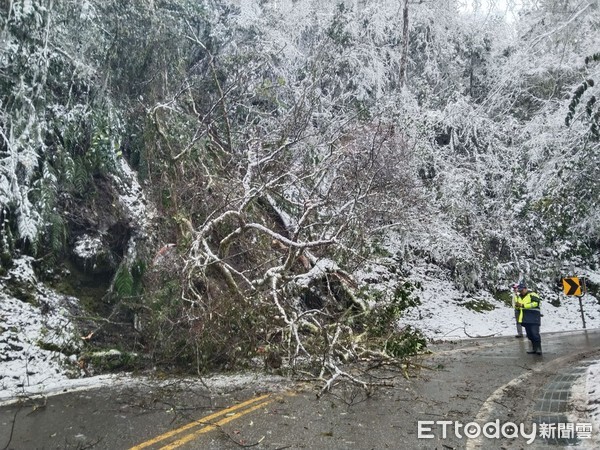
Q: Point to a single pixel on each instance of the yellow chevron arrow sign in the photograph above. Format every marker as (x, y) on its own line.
(572, 286)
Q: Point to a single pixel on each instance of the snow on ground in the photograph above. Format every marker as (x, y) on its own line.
(585, 404)
(31, 330)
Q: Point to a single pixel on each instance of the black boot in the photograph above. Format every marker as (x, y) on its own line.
(537, 349)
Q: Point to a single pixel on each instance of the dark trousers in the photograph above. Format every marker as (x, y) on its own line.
(533, 333)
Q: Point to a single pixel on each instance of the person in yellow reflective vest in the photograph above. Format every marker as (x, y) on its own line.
(530, 316)
(515, 298)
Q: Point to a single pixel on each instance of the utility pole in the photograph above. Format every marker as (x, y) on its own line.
(581, 302)
(575, 286)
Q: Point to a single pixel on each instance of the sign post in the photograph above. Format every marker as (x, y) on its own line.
(575, 286)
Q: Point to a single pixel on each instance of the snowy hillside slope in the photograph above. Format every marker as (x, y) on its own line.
(36, 336)
(443, 316)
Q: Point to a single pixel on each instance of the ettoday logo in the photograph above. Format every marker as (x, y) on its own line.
(492, 430)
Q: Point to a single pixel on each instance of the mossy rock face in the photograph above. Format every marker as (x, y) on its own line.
(89, 289)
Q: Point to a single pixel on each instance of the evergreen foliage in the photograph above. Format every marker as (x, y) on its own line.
(57, 131)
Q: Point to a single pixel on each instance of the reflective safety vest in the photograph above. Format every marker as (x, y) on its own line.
(515, 299)
(531, 307)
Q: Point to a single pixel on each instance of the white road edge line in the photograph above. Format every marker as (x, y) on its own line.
(484, 415)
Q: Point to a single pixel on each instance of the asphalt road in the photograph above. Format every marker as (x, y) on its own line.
(479, 380)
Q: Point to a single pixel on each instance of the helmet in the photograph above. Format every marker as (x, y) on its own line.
(521, 286)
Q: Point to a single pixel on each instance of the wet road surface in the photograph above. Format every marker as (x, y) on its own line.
(478, 380)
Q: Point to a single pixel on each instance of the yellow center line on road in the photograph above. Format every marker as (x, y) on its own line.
(202, 421)
(190, 437)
